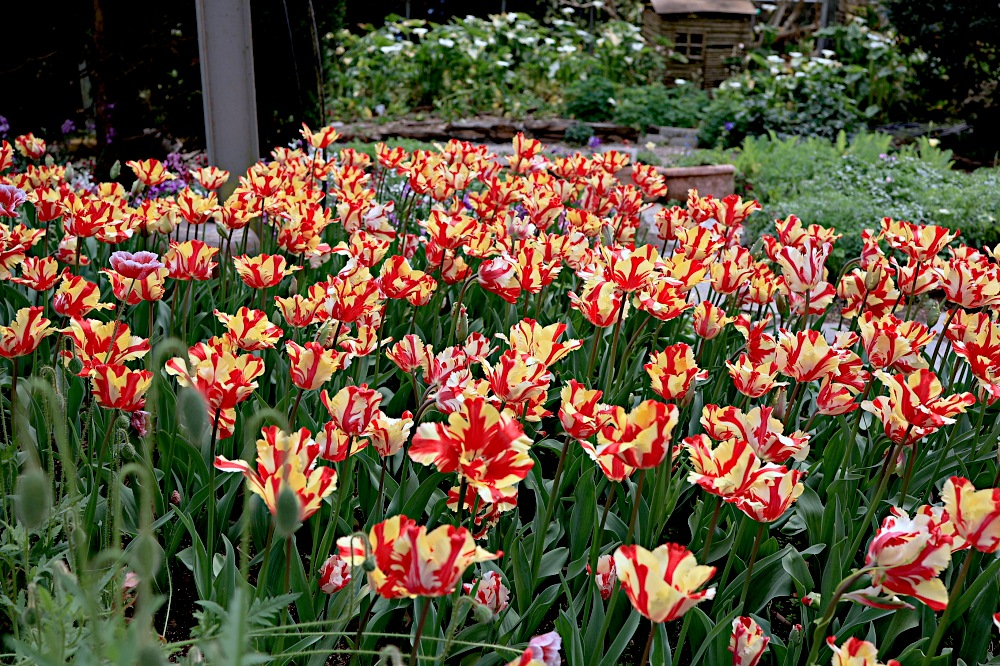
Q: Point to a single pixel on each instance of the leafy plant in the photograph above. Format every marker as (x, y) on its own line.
(578, 134)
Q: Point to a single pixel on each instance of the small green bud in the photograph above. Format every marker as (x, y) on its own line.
(482, 613)
(31, 502)
(146, 556)
(75, 365)
(148, 655)
(116, 170)
(49, 160)
(782, 303)
(70, 172)
(369, 564)
(192, 413)
(873, 277)
(462, 329)
(288, 518)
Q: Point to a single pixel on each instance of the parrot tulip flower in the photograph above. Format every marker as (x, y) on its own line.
(334, 575)
(286, 460)
(484, 446)
(640, 438)
(664, 583)
(855, 652)
(118, 387)
(312, 365)
(190, 260)
(975, 514)
(76, 297)
(747, 642)
(263, 271)
(25, 333)
(411, 562)
(909, 555)
(673, 371)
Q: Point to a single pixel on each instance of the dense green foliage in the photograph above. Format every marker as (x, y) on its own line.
(508, 64)
(852, 184)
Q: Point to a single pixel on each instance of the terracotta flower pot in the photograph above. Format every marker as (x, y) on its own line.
(714, 179)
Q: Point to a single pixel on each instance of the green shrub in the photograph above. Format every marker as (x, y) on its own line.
(851, 185)
(591, 100)
(655, 104)
(578, 134)
(506, 64)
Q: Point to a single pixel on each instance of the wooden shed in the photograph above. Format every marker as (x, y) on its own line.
(710, 34)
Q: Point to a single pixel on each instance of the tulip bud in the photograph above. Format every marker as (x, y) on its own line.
(137, 186)
(31, 501)
(49, 160)
(175, 498)
(70, 172)
(293, 287)
(757, 249)
(462, 329)
(369, 564)
(287, 519)
(116, 170)
(933, 310)
(873, 277)
(780, 404)
(782, 304)
(75, 365)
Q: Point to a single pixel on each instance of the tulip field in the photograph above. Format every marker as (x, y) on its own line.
(450, 407)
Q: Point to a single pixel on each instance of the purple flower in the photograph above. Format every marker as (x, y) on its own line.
(140, 422)
(729, 125)
(68, 126)
(4, 126)
(545, 648)
(136, 266)
(594, 142)
(10, 199)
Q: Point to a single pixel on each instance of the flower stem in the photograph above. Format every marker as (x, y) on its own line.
(956, 590)
(761, 528)
(711, 530)
(649, 644)
(831, 608)
(420, 630)
(609, 375)
(635, 507)
(879, 492)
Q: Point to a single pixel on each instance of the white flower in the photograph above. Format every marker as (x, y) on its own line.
(420, 32)
(566, 48)
(650, 145)
(680, 82)
(567, 10)
(480, 43)
(795, 54)
(637, 46)
(934, 143)
(447, 43)
(502, 63)
(827, 53)
(612, 102)
(774, 58)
